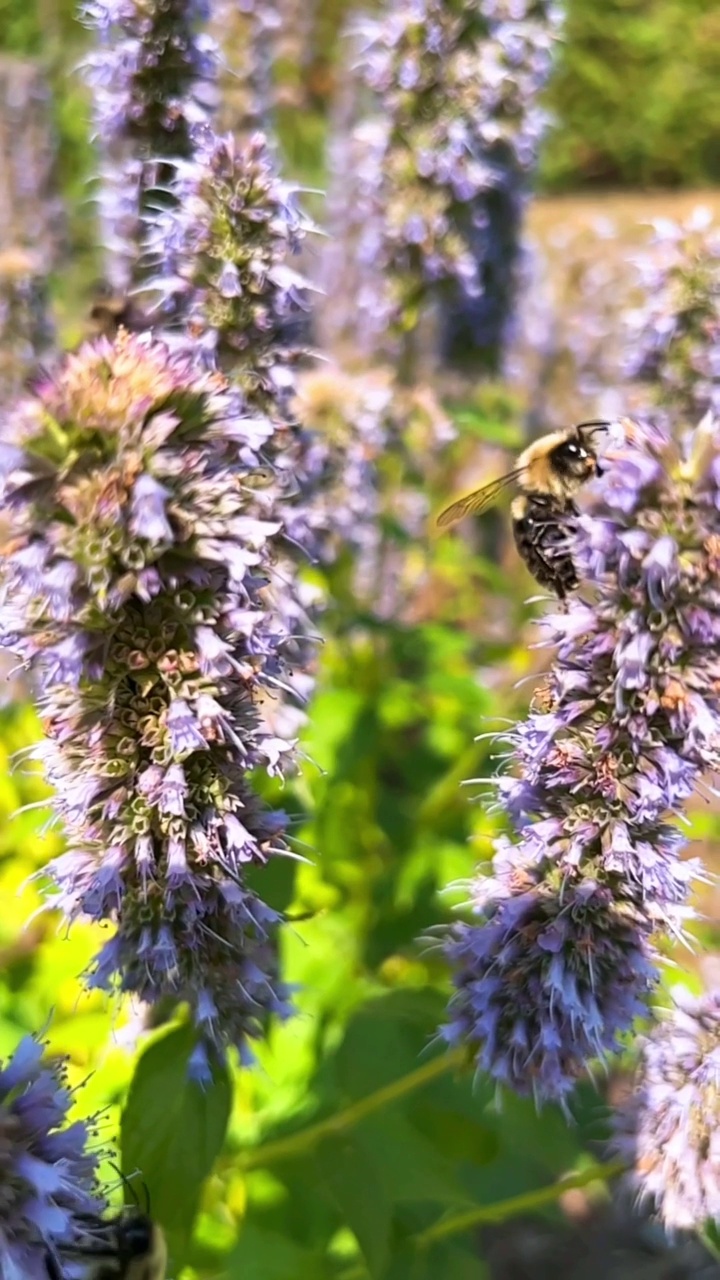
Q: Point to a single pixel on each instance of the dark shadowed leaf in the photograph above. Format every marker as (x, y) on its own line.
(265, 1255)
(447, 1260)
(172, 1130)
(387, 1039)
(350, 1173)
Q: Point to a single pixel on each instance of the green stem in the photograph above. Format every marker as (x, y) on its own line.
(710, 1245)
(298, 1143)
(500, 1210)
(525, 1203)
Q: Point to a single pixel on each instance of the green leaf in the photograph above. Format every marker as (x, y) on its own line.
(350, 1172)
(172, 1129)
(387, 1039)
(274, 883)
(407, 1166)
(448, 1260)
(265, 1255)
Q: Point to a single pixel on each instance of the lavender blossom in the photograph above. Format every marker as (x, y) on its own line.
(674, 337)
(153, 77)
(223, 251)
(357, 420)
(244, 31)
(47, 1174)
(563, 958)
(222, 261)
(456, 139)
(26, 329)
(667, 1131)
(141, 585)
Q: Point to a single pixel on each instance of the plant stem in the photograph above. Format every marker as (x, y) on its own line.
(502, 1209)
(709, 1244)
(525, 1203)
(298, 1143)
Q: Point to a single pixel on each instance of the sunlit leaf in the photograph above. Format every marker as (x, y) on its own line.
(173, 1128)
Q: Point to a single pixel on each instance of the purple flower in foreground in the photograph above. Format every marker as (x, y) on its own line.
(47, 1176)
(631, 721)
(668, 1131)
(141, 585)
(556, 974)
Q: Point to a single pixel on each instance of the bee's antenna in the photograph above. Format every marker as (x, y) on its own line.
(127, 1183)
(599, 424)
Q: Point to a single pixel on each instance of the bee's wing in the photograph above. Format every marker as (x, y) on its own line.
(476, 501)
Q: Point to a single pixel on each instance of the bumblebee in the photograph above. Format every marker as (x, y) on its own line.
(127, 1247)
(549, 473)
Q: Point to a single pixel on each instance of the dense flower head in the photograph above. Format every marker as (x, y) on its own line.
(628, 721)
(675, 334)
(222, 262)
(140, 583)
(47, 1173)
(153, 78)
(555, 975)
(667, 1130)
(456, 137)
(224, 251)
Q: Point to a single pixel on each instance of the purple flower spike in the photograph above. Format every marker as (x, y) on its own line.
(47, 1175)
(551, 980)
(668, 1129)
(435, 184)
(221, 257)
(153, 78)
(563, 959)
(142, 587)
(675, 334)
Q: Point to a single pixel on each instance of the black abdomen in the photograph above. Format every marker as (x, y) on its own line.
(542, 527)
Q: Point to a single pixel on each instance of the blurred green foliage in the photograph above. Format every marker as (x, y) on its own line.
(636, 96)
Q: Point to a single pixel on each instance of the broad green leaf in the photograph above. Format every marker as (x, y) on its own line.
(448, 1260)
(275, 882)
(350, 1171)
(265, 1255)
(407, 1166)
(387, 1039)
(172, 1129)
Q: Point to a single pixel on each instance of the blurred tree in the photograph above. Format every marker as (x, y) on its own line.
(636, 95)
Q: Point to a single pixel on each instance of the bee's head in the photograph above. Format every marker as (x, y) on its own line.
(135, 1233)
(575, 459)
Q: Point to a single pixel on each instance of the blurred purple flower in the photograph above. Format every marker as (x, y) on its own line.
(221, 255)
(47, 1175)
(667, 1130)
(447, 158)
(631, 721)
(357, 420)
(674, 336)
(153, 78)
(142, 586)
